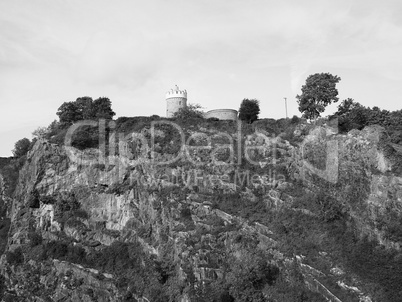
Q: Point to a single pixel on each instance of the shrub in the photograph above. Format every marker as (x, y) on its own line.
(16, 257)
(249, 275)
(21, 147)
(35, 239)
(2, 286)
(85, 137)
(249, 110)
(295, 119)
(4, 227)
(46, 199)
(330, 209)
(185, 213)
(33, 199)
(192, 111)
(65, 206)
(81, 213)
(378, 265)
(64, 251)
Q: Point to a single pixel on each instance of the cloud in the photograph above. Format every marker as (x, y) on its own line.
(52, 51)
(116, 59)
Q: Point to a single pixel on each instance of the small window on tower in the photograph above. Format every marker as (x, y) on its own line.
(179, 102)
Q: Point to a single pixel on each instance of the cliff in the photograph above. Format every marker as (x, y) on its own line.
(270, 212)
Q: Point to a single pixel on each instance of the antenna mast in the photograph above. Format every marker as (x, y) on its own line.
(286, 108)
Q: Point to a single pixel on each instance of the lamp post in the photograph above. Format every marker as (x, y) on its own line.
(286, 108)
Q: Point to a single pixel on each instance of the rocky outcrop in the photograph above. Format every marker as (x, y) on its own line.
(85, 203)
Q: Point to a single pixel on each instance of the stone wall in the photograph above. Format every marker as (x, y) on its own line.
(173, 104)
(222, 114)
(175, 99)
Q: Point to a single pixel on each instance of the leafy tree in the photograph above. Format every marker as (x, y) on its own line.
(86, 137)
(249, 110)
(102, 108)
(84, 105)
(191, 111)
(21, 147)
(85, 108)
(69, 113)
(318, 92)
(379, 117)
(353, 115)
(53, 128)
(356, 119)
(346, 106)
(40, 132)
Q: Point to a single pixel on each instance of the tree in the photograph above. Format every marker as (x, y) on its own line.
(21, 147)
(249, 110)
(69, 113)
(102, 108)
(40, 132)
(347, 106)
(85, 108)
(353, 115)
(53, 128)
(84, 105)
(191, 111)
(318, 92)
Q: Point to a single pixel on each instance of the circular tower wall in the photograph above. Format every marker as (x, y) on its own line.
(175, 99)
(222, 114)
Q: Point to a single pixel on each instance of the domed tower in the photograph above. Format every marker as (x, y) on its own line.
(175, 99)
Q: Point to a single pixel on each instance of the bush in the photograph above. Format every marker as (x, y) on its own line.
(250, 274)
(65, 206)
(86, 137)
(185, 213)
(295, 119)
(81, 213)
(2, 286)
(4, 227)
(329, 208)
(249, 110)
(33, 199)
(35, 239)
(378, 265)
(46, 199)
(16, 257)
(21, 147)
(192, 111)
(64, 251)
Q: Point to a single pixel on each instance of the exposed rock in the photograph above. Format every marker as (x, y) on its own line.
(98, 201)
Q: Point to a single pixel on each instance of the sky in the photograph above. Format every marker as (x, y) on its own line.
(220, 51)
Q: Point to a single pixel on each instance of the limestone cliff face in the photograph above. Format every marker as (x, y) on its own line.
(362, 177)
(8, 177)
(90, 202)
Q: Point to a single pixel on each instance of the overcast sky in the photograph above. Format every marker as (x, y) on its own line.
(53, 51)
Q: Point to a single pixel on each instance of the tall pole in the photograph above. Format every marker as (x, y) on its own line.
(286, 108)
